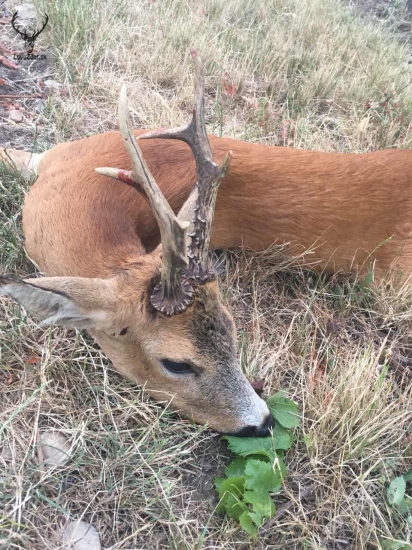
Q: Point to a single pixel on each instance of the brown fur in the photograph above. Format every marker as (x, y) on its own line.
(81, 223)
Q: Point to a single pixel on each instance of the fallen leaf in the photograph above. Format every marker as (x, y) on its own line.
(8, 63)
(229, 89)
(33, 360)
(327, 399)
(2, 82)
(55, 448)
(80, 535)
(16, 115)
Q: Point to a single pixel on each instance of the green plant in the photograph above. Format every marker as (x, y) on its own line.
(259, 470)
(396, 494)
(390, 544)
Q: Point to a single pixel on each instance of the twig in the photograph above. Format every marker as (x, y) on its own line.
(7, 96)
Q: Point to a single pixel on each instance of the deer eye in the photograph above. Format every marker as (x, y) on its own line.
(176, 367)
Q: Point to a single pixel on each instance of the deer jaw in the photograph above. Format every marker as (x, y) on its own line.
(138, 339)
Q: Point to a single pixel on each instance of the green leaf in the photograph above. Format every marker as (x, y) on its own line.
(396, 490)
(236, 468)
(307, 439)
(263, 446)
(282, 438)
(389, 544)
(231, 491)
(218, 483)
(234, 506)
(234, 485)
(404, 507)
(263, 506)
(284, 410)
(245, 446)
(261, 477)
(246, 523)
(408, 476)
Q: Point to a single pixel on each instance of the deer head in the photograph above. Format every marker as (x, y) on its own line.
(160, 318)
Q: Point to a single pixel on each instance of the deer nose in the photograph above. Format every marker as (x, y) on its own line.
(257, 431)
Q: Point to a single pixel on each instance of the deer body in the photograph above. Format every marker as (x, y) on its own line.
(128, 260)
(355, 208)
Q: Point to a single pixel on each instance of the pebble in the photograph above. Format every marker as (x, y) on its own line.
(16, 115)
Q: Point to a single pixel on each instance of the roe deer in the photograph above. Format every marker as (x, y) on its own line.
(157, 316)
(101, 236)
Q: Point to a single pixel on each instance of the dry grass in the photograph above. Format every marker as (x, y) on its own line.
(308, 74)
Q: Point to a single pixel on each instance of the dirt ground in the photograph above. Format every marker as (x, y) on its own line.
(25, 86)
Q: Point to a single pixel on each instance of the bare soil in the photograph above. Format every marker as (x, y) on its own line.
(25, 85)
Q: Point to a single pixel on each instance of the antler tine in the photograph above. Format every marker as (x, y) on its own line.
(209, 175)
(173, 295)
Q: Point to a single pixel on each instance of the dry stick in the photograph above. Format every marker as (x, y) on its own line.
(7, 96)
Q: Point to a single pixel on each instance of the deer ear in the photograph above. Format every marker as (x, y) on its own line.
(67, 301)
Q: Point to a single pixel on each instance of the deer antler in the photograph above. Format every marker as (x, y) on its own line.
(174, 294)
(209, 175)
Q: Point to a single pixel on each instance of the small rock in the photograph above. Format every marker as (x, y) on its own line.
(16, 115)
(80, 535)
(55, 448)
(39, 105)
(52, 84)
(6, 454)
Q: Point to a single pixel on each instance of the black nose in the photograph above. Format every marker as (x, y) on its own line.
(257, 431)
